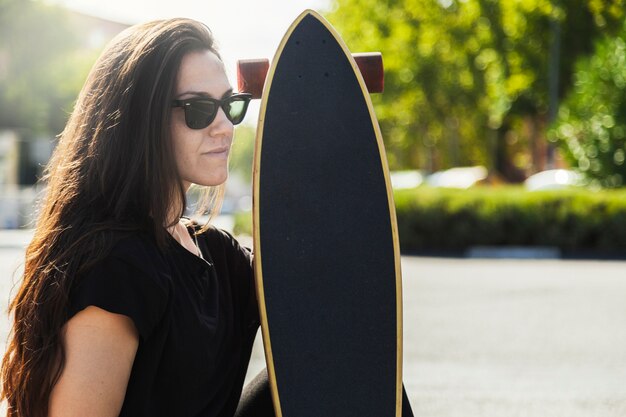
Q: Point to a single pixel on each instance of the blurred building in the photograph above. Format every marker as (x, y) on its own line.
(97, 31)
(23, 155)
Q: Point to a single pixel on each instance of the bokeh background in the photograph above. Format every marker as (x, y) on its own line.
(504, 121)
(505, 129)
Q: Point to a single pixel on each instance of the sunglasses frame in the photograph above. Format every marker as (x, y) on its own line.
(220, 103)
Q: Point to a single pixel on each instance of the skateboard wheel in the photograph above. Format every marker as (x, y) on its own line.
(251, 75)
(371, 66)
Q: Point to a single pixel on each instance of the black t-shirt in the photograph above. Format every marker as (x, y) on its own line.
(196, 319)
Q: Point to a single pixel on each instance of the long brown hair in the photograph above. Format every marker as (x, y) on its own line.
(112, 173)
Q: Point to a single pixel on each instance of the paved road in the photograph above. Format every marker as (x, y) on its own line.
(511, 338)
(515, 338)
(498, 338)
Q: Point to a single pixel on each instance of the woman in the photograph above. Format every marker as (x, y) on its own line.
(124, 308)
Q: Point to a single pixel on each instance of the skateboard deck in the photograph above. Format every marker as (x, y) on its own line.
(327, 258)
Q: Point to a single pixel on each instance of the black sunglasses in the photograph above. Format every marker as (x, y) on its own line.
(201, 111)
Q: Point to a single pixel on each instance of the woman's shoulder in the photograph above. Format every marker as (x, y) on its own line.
(131, 279)
(219, 241)
(135, 254)
(138, 250)
(218, 235)
(211, 234)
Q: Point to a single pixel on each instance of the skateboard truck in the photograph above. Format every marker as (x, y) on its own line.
(251, 73)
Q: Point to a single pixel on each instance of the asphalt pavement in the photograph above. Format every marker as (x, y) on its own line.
(491, 338)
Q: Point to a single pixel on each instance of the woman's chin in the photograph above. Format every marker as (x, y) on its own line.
(212, 181)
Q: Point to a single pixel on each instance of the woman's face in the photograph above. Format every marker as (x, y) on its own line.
(201, 154)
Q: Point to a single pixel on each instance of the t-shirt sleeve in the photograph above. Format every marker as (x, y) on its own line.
(118, 286)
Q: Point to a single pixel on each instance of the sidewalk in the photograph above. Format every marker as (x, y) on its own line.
(15, 238)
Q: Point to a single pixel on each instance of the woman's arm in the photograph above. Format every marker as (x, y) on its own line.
(100, 348)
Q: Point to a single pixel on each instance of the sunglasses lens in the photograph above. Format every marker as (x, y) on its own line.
(236, 109)
(200, 114)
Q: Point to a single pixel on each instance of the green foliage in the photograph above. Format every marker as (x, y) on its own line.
(41, 67)
(243, 223)
(242, 152)
(443, 219)
(436, 219)
(461, 74)
(591, 127)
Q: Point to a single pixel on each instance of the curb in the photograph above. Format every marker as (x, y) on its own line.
(514, 252)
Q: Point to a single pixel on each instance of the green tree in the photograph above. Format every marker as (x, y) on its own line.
(591, 126)
(242, 152)
(41, 66)
(467, 81)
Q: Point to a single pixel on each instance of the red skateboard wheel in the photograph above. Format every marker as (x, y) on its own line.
(251, 73)
(371, 67)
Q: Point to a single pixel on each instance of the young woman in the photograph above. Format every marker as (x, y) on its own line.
(124, 308)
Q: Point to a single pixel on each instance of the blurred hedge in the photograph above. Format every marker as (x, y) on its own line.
(573, 220)
(243, 223)
(448, 220)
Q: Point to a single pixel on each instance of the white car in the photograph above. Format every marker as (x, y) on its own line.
(460, 177)
(553, 179)
(406, 179)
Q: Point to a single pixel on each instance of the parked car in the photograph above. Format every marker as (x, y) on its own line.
(459, 177)
(553, 179)
(406, 179)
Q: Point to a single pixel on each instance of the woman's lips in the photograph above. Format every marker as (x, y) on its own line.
(218, 152)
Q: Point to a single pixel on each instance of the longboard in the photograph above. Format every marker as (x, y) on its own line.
(327, 260)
